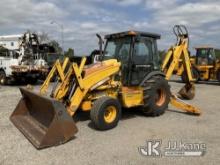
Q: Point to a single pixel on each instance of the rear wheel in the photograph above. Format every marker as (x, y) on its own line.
(105, 113)
(3, 78)
(156, 96)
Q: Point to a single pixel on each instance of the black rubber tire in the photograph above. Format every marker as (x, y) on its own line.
(3, 78)
(151, 88)
(195, 75)
(98, 110)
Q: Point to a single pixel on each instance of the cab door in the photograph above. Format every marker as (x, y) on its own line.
(142, 59)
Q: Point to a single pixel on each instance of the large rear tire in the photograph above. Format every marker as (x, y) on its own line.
(105, 113)
(156, 96)
(3, 78)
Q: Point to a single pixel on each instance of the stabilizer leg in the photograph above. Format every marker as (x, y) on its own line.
(180, 104)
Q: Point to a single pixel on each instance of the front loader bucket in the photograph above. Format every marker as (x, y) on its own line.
(187, 91)
(43, 120)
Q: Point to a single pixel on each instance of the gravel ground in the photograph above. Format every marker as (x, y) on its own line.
(119, 145)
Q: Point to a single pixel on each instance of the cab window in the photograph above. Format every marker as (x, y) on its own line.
(118, 49)
(142, 51)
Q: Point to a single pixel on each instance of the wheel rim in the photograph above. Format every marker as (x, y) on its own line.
(161, 97)
(110, 114)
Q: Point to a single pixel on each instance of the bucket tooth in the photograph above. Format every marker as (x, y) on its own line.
(43, 120)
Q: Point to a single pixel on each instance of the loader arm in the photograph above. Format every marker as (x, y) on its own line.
(62, 89)
(79, 85)
(86, 83)
(108, 68)
(57, 67)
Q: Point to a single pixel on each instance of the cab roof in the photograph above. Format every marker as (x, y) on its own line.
(207, 47)
(204, 47)
(132, 33)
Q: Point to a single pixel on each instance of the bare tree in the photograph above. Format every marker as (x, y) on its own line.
(43, 37)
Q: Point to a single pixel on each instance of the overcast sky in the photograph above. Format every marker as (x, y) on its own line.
(82, 19)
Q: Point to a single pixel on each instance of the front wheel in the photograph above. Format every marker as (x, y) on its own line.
(105, 113)
(156, 96)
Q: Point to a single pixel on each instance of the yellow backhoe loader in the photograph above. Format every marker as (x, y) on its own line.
(205, 64)
(128, 75)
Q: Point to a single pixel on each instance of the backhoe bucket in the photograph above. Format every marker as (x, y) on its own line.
(43, 120)
(187, 92)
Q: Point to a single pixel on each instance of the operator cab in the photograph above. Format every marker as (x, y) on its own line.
(205, 55)
(137, 52)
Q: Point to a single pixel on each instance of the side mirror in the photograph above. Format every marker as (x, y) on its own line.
(101, 41)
